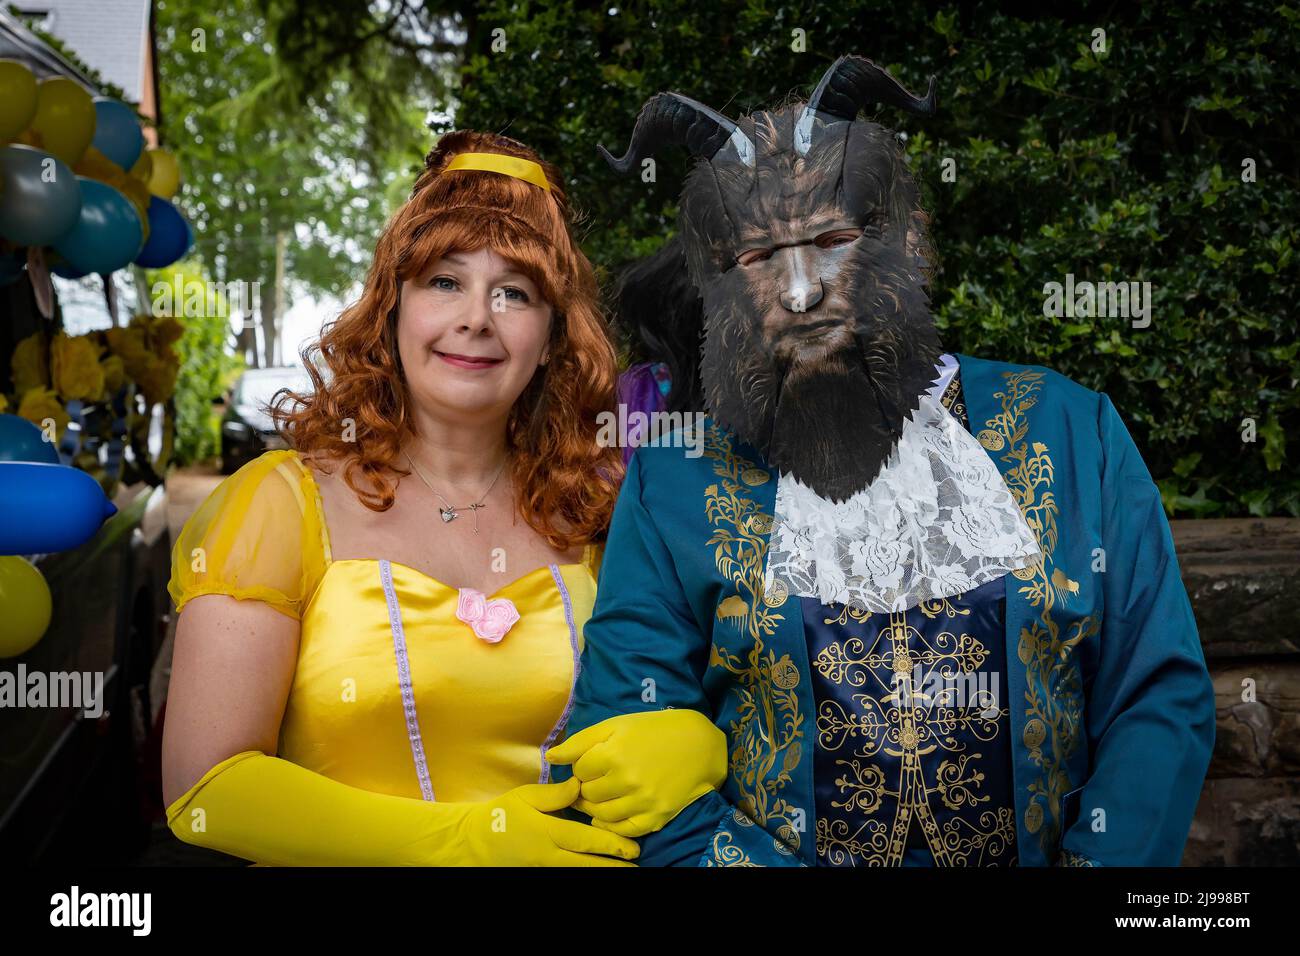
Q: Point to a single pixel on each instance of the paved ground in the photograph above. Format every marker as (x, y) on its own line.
(186, 489)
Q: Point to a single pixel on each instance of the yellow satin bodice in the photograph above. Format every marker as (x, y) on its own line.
(474, 718)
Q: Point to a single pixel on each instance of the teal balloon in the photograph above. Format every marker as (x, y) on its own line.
(108, 233)
(169, 235)
(39, 196)
(20, 440)
(48, 508)
(117, 132)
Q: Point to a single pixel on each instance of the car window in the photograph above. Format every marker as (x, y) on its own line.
(257, 389)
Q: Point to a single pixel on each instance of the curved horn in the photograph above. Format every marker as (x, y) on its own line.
(676, 119)
(852, 84)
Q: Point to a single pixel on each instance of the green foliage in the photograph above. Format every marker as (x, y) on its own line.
(388, 56)
(260, 154)
(1117, 165)
(207, 367)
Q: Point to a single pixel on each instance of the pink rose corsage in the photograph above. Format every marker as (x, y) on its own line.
(489, 619)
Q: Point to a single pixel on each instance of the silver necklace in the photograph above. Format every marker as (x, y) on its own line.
(450, 512)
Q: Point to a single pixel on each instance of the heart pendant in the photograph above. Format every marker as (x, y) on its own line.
(448, 514)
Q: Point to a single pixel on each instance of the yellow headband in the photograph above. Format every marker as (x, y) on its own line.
(524, 169)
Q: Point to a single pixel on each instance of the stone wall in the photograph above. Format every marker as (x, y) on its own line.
(1243, 576)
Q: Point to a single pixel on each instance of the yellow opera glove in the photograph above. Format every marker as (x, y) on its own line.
(274, 812)
(640, 770)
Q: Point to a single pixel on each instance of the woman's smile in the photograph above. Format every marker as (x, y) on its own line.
(468, 361)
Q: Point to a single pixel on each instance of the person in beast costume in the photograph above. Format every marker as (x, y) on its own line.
(929, 600)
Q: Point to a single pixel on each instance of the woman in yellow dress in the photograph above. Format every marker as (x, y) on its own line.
(380, 629)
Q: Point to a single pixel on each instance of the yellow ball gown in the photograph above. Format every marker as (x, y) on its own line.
(393, 693)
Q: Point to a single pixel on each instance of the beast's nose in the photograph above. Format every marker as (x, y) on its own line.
(801, 288)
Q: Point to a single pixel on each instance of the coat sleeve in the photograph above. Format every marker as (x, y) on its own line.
(644, 650)
(1150, 709)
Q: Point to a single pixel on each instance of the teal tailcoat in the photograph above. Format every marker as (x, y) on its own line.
(1112, 711)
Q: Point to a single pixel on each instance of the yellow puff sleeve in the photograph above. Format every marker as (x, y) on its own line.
(259, 536)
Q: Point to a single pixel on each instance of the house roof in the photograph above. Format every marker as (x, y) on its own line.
(109, 36)
(19, 43)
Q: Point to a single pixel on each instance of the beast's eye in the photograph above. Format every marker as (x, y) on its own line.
(840, 237)
(750, 256)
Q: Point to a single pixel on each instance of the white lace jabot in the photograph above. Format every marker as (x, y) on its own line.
(938, 520)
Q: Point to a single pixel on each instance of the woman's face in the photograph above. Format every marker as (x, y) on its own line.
(471, 334)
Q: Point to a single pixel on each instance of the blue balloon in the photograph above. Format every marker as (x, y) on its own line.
(48, 508)
(117, 132)
(39, 196)
(20, 440)
(169, 235)
(108, 233)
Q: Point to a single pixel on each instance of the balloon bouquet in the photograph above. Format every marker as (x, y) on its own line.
(75, 178)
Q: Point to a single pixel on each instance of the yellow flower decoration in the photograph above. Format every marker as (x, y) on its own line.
(128, 343)
(39, 404)
(29, 364)
(166, 330)
(4, 404)
(74, 364)
(114, 374)
(145, 347)
(157, 379)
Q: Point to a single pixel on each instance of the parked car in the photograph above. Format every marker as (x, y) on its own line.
(246, 427)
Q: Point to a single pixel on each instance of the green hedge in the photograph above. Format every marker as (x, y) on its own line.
(1124, 165)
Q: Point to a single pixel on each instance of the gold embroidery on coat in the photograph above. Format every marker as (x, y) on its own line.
(908, 722)
(1054, 693)
(726, 853)
(767, 732)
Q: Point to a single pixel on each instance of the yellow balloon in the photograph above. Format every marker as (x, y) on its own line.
(25, 605)
(65, 118)
(17, 99)
(165, 176)
(143, 167)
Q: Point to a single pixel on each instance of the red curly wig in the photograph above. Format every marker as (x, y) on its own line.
(565, 481)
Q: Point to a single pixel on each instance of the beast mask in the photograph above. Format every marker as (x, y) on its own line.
(804, 235)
